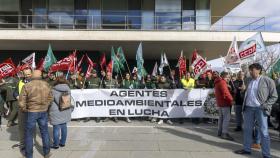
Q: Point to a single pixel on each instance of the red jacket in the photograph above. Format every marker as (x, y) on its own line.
(222, 93)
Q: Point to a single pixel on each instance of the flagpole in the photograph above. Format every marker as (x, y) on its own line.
(128, 68)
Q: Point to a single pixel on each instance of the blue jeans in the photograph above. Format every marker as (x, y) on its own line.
(238, 115)
(252, 114)
(57, 130)
(30, 124)
(256, 135)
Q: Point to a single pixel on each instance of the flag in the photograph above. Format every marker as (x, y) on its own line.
(182, 65)
(121, 57)
(64, 64)
(163, 63)
(78, 66)
(49, 59)
(103, 61)
(22, 67)
(140, 61)
(251, 46)
(276, 67)
(199, 66)
(115, 62)
(30, 60)
(109, 67)
(134, 70)
(90, 67)
(194, 55)
(7, 68)
(232, 55)
(40, 65)
(155, 70)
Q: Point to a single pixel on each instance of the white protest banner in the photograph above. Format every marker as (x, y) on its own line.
(160, 103)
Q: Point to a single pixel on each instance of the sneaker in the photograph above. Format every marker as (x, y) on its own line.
(227, 137)
(153, 120)
(256, 146)
(128, 120)
(10, 124)
(242, 152)
(169, 122)
(87, 119)
(160, 122)
(106, 119)
(97, 120)
(62, 145)
(54, 147)
(238, 129)
(48, 155)
(116, 120)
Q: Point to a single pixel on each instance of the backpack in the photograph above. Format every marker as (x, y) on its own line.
(64, 101)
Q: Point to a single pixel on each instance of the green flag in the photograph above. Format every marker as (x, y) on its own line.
(115, 62)
(121, 58)
(49, 59)
(275, 68)
(140, 62)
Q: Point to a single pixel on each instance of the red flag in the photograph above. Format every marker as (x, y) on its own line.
(78, 66)
(65, 64)
(7, 68)
(110, 67)
(182, 65)
(103, 61)
(90, 66)
(40, 65)
(194, 56)
(23, 67)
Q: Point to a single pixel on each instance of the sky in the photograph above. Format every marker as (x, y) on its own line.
(270, 9)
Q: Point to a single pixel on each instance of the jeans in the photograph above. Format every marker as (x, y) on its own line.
(252, 114)
(256, 135)
(238, 115)
(57, 130)
(224, 118)
(42, 119)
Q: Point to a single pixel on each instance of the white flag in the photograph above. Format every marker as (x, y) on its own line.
(232, 55)
(199, 66)
(163, 63)
(134, 70)
(251, 46)
(155, 70)
(30, 60)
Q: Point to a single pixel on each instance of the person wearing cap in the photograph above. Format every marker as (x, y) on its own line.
(93, 82)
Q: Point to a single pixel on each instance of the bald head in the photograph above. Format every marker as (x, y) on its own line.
(37, 74)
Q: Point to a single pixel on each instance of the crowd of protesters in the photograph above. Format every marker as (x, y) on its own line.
(34, 97)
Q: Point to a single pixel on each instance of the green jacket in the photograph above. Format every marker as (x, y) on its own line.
(127, 84)
(93, 83)
(9, 88)
(151, 85)
(108, 84)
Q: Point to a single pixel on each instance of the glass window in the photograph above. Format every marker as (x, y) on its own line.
(114, 14)
(39, 18)
(26, 12)
(94, 14)
(81, 13)
(61, 13)
(188, 12)
(134, 14)
(203, 15)
(9, 10)
(148, 14)
(168, 14)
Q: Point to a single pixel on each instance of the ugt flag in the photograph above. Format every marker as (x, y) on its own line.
(30, 60)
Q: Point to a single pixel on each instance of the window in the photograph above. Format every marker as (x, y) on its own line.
(39, 18)
(94, 14)
(81, 13)
(148, 14)
(188, 13)
(134, 14)
(114, 14)
(168, 14)
(61, 13)
(26, 12)
(203, 15)
(9, 10)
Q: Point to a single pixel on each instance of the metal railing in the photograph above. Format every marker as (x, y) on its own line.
(126, 22)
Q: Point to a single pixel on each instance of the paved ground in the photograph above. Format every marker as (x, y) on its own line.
(140, 139)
